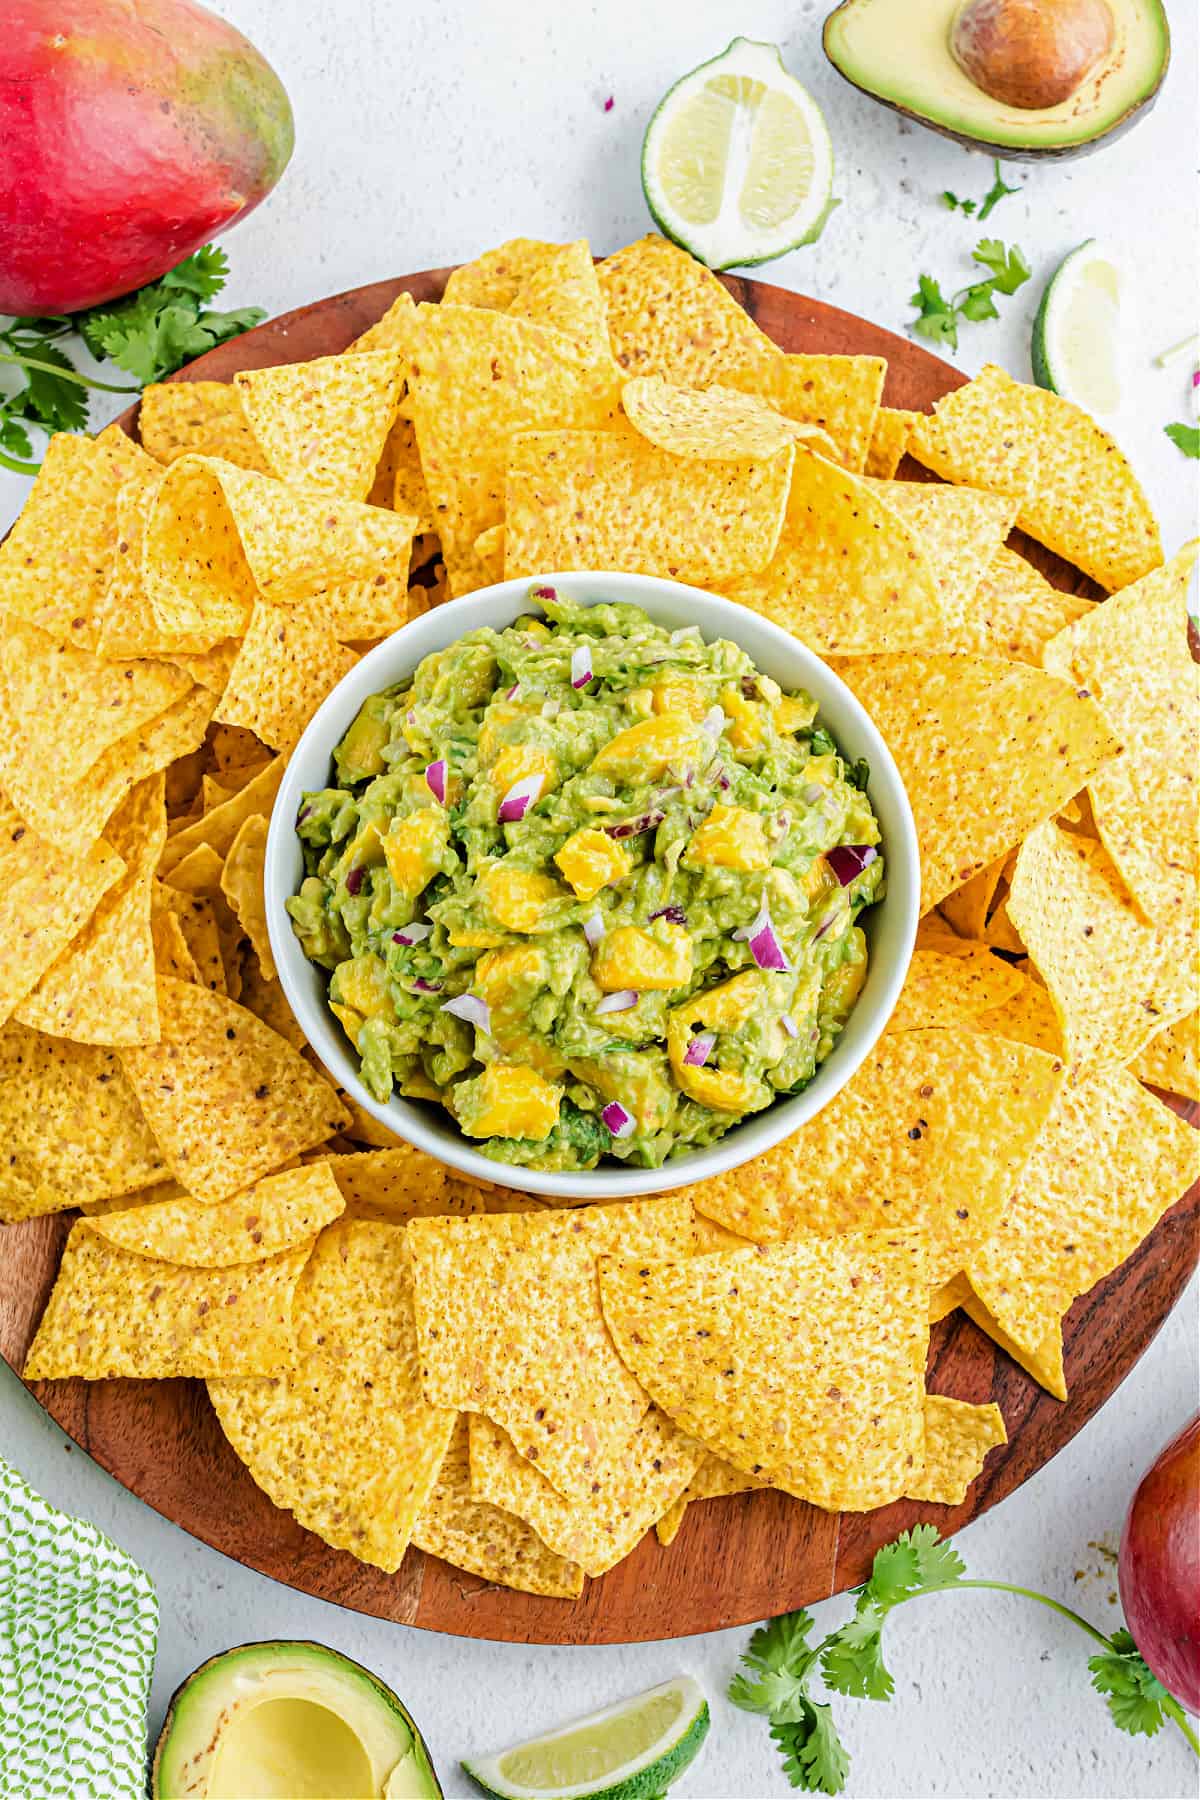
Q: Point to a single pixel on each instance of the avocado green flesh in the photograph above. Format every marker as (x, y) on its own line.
(289, 1721)
(899, 51)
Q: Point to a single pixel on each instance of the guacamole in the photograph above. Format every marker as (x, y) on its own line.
(592, 885)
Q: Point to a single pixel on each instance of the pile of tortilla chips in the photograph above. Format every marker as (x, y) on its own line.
(401, 1356)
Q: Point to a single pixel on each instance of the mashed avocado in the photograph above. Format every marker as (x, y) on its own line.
(592, 885)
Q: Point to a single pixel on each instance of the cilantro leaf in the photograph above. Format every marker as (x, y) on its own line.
(154, 331)
(852, 1660)
(204, 273)
(1008, 267)
(996, 192)
(858, 773)
(953, 204)
(1133, 1694)
(1185, 438)
(935, 314)
(48, 399)
(14, 438)
(917, 1560)
(778, 1658)
(814, 1757)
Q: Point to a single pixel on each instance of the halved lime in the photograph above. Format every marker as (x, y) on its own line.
(631, 1751)
(1075, 334)
(737, 165)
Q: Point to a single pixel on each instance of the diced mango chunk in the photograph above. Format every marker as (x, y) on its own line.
(746, 718)
(466, 939)
(718, 1088)
(793, 715)
(350, 1021)
(730, 838)
(516, 761)
(647, 749)
(361, 983)
(415, 846)
(519, 899)
(508, 1100)
(590, 860)
(631, 958)
(679, 695)
(509, 980)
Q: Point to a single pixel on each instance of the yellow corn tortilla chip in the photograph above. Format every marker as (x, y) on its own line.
(1044, 1362)
(669, 315)
(563, 294)
(242, 886)
(323, 423)
(288, 662)
(199, 874)
(953, 1293)
(494, 278)
(483, 1540)
(1171, 1059)
(219, 828)
(960, 530)
(124, 620)
(345, 1440)
(401, 465)
(610, 500)
(715, 424)
(196, 918)
(1113, 979)
(889, 440)
(210, 669)
(113, 1313)
(1109, 1163)
(966, 908)
(1000, 932)
(1078, 494)
(958, 1437)
(929, 1136)
(194, 570)
(849, 575)
(831, 1412)
(393, 1186)
(71, 1126)
(489, 553)
(508, 1314)
(630, 1492)
(477, 378)
(390, 331)
(46, 898)
(266, 1000)
(1014, 611)
(171, 953)
(56, 561)
(1132, 654)
(1028, 1017)
(953, 989)
(280, 1212)
(227, 1099)
(986, 750)
(197, 418)
(102, 990)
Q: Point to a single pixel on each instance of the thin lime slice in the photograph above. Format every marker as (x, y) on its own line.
(1076, 333)
(737, 165)
(631, 1751)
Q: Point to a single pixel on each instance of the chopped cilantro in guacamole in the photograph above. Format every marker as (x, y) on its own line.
(592, 885)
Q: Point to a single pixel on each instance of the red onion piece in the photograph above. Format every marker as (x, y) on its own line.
(676, 915)
(713, 722)
(700, 1049)
(519, 798)
(416, 933)
(513, 691)
(427, 987)
(765, 947)
(593, 928)
(619, 1002)
(355, 878)
(619, 1122)
(471, 1010)
(849, 860)
(581, 666)
(544, 593)
(435, 779)
(635, 827)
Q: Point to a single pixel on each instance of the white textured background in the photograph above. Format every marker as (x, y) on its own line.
(425, 132)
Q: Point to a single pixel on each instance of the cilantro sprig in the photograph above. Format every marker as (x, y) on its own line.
(938, 318)
(149, 334)
(781, 1662)
(991, 199)
(1185, 438)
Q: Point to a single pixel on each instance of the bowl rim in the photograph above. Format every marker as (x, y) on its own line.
(395, 658)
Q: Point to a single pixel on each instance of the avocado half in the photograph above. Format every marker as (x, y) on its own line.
(288, 1721)
(900, 52)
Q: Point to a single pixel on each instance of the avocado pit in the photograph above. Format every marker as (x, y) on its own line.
(1031, 54)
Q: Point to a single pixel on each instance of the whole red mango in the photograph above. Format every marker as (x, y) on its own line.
(131, 132)
(1159, 1567)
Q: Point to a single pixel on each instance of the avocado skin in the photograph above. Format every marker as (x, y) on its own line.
(420, 1747)
(1008, 152)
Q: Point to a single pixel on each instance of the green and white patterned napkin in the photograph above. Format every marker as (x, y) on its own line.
(78, 1629)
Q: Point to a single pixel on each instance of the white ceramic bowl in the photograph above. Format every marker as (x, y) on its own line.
(890, 926)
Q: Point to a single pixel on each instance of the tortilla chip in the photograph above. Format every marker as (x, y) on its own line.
(286, 666)
(477, 378)
(242, 886)
(56, 561)
(323, 423)
(1132, 654)
(71, 1127)
(960, 531)
(966, 908)
(483, 1540)
(508, 1315)
(345, 1440)
(889, 440)
(489, 553)
(401, 463)
(102, 990)
(1028, 1017)
(929, 1136)
(830, 1413)
(281, 1212)
(563, 293)
(219, 828)
(1109, 1163)
(112, 1313)
(610, 500)
(957, 1439)
(1000, 932)
(194, 569)
(1114, 980)
(494, 278)
(629, 1493)
(46, 898)
(715, 424)
(1015, 611)
(210, 669)
(1171, 1060)
(197, 418)
(390, 331)
(197, 922)
(953, 989)
(986, 750)
(171, 953)
(944, 1300)
(267, 1001)
(394, 1186)
(1078, 494)
(1044, 1362)
(849, 574)
(199, 874)
(227, 1099)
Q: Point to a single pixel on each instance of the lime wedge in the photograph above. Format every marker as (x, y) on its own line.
(1075, 334)
(737, 165)
(631, 1751)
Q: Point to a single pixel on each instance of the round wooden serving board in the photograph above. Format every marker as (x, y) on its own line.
(735, 1560)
